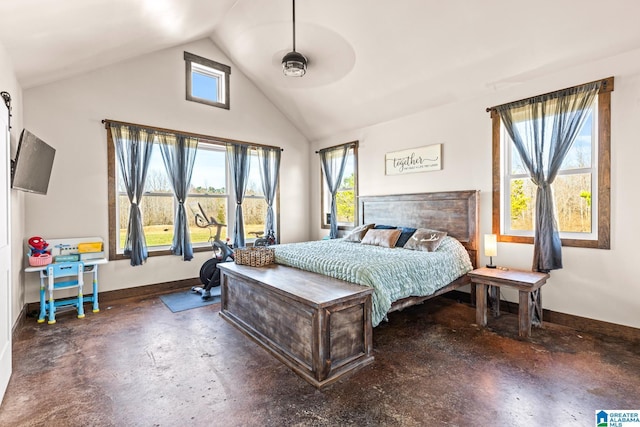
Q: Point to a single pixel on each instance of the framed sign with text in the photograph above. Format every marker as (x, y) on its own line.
(422, 159)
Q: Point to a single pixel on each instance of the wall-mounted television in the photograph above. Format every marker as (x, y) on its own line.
(32, 167)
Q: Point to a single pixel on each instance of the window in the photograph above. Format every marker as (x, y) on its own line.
(209, 188)
(207, 81)
(254, 206)
(347, 196)
(581, 188)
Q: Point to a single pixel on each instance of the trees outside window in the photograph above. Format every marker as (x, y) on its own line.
(581, 189)
(254, 207)
(346, 197)
(572, 187)
(209, 188)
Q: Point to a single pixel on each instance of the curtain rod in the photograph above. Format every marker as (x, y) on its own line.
(191, 134)
(607, 86)
(354, 143)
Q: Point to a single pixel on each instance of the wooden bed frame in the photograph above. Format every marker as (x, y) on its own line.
(318, 326)
(455, 212)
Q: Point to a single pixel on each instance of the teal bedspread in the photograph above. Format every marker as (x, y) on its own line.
(392, 273)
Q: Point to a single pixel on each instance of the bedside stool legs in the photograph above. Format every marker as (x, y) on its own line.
(524, 314)
(494, 300)
(481, 304)
(526, 308)
(536, 313)
(529, 311)
(528, 283)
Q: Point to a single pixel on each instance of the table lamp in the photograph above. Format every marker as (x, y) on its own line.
(490, 248)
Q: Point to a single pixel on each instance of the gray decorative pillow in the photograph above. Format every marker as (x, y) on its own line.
(358, 233)
(381, 237)
(425, 239)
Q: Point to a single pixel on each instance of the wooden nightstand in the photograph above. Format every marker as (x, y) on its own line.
(528, 284)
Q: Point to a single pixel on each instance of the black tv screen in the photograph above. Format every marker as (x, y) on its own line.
(33, 164)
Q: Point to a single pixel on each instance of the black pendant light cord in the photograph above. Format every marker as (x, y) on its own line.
(294, 24)
(294, 64)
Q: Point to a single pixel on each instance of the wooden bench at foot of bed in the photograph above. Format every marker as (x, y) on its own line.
(316, 325)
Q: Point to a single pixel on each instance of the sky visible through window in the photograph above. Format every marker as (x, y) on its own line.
(209, 171)
(579, 156)
(348, 170)
(204, 86)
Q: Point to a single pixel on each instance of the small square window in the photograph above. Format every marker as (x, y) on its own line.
(207, 81)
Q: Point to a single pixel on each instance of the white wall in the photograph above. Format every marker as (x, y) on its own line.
(148, 90)
(598, 284)
(9, 83)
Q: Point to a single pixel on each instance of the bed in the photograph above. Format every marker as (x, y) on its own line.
(399, 277)
(393, 273)
(321, 325)
(455, 212)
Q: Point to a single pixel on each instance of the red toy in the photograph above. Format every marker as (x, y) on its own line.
(38, 246)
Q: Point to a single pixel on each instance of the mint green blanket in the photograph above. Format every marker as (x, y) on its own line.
(392, 273)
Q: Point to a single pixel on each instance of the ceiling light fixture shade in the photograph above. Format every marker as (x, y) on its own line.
(294, 64)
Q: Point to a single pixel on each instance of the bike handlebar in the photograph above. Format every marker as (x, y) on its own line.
(204, 221)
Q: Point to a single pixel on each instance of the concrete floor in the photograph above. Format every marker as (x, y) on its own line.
(138, 364)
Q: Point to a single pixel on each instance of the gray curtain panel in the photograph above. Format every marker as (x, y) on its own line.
(543, 130)
(269, 160)
(133, 150)
(238, 159)
(334, 161)
(179, 155)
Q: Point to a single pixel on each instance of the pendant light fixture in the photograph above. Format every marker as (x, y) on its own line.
(294, 64)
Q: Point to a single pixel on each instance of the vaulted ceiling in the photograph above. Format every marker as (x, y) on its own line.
(369, 60)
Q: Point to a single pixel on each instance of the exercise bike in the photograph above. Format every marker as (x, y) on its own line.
(222, 252)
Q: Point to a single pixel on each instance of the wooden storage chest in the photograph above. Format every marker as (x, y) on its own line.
(318, 326)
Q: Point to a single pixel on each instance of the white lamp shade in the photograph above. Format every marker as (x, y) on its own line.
(490, 245)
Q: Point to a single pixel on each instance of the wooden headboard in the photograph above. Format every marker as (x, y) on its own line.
(455, 212)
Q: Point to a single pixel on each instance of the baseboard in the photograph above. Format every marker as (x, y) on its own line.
(575, 322)
(583, 324)
(120, 294)
(150, 290)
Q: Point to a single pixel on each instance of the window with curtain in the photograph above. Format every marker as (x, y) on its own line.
(346, 195)
(580, 188)
(254, 206)
(209, 187)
